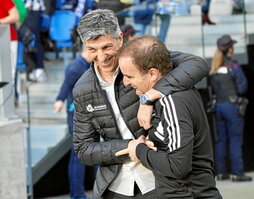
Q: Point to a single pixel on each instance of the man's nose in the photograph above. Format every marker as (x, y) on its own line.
(126, 82)
(101, 55)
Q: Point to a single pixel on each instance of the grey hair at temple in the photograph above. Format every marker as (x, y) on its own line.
(98, 23)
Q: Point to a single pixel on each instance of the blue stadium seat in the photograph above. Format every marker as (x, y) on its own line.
(60, 30)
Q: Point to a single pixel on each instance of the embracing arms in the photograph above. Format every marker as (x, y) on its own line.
(172, 133)
(188, 70)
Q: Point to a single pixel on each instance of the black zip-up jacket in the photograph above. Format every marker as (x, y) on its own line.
(183, 164)
(94, 118)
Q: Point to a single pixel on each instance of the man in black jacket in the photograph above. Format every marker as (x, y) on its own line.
(105, 117)
(183, 162)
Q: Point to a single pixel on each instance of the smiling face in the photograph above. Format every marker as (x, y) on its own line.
(133, 77)
(103, 52)
(143, 61)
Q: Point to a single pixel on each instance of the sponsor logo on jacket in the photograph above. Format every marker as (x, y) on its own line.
(91, 109)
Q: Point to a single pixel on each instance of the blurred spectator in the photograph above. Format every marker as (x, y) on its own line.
(50, 6)
(205, 12)
(22, 16)
(33, 21)
(143, 14)
(114, 5)
(84, 6)
(228, 84)
(238, 6)
(81, 8)
(76, 170)
(164, 10)
(9, 15)
(128, 32)
(21, 9)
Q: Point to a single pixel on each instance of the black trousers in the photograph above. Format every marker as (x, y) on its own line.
(137, 194)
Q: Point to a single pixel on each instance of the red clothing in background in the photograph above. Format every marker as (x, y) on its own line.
(5, 6)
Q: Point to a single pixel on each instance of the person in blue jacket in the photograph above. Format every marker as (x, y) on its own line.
(143, 14)
(228, 84)
(164, 9)
(73, 72)
(83, 7)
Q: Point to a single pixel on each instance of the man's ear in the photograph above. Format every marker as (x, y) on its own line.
(121, 38)
(154, 74)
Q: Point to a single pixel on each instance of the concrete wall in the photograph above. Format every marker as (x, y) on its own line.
(7, 92)
(12, 160)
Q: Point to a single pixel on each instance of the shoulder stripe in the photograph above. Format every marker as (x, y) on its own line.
(172, 125)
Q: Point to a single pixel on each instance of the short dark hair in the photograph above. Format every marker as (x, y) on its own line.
(147, 52)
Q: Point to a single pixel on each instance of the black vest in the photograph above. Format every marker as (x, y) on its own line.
(223, 86)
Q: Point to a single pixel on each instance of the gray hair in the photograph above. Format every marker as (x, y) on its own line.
(98, 23)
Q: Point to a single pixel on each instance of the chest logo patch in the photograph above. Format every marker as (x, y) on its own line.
(91, 109)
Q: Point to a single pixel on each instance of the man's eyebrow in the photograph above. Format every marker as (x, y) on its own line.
(107, 45)
(129, 76)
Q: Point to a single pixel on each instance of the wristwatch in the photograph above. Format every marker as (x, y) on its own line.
(144, 99)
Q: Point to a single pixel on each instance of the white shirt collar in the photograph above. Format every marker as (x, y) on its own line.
(102, 82)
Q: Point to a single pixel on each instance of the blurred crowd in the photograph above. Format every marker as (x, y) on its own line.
(34, 29)
(31, 24)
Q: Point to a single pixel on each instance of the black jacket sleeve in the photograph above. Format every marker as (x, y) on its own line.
(88, 144)
(91, 149)
(187, 71)
(173, 135)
